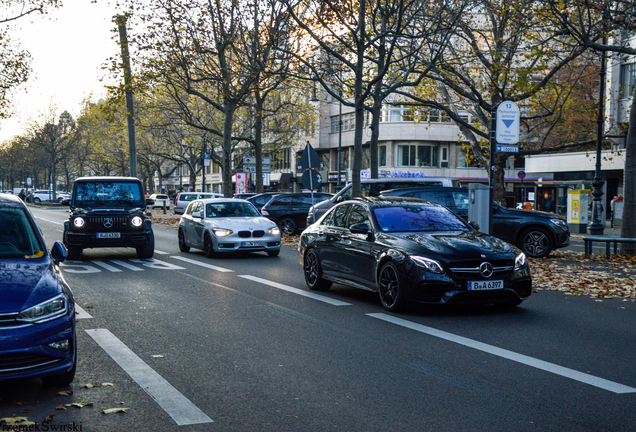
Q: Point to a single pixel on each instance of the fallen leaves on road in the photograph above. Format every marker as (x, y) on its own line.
(114, 410)
(79, 404)
(20, 421)
(595, 276)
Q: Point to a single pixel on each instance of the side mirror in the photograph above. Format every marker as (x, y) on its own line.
(149, 201)
(474, 225)
(338, 199)
(196, 215)
(59, 252)
(66, 202)
(359, 228)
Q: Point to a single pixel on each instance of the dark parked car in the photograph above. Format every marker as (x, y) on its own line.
(290, 210)
(261, 199)
(37, 311)
(534, 232)
(411, 251)
(108, 212)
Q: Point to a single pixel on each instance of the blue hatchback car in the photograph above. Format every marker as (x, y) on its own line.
(37, 309)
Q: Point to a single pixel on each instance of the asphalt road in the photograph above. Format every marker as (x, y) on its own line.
(238, 343)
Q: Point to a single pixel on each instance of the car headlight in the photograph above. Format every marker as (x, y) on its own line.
(429, 264)
(46, 311)
(274, 231)
(560, 223)
(521, 261)
(221, 232)
(78, 222)
(137, 221)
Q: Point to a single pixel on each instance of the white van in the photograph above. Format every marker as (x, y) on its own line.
(183, 199)
(373, 187)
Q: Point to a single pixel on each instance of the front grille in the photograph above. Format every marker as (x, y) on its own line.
(9, 320)
(470, 269)
(247, 234)
(97, 222)
(14, 363)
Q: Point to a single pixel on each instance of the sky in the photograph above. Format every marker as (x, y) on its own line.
(68, 49)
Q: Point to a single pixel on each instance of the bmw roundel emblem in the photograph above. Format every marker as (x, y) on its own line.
(108, 222)
(486, 269)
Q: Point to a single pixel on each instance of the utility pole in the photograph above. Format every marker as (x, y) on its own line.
(130, 108)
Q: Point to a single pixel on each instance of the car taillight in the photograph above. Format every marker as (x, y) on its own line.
(264, 212)
(176, 199)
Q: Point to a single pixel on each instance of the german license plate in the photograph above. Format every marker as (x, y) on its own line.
(252, 243)
(485, 285)
(108, 235)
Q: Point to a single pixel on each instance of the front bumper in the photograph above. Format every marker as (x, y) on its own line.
(430, 288)
(126, 239)
(25, 352)
(234, 243)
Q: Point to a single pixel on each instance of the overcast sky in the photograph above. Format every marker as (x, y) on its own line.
(68, 50)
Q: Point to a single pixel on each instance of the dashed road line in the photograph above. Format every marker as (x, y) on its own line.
(175, 404)
(510, 355)
(81, 313)
(296, 291)
(201, 264)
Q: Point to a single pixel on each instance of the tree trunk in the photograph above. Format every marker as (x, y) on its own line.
(628, 229)
(230, 108)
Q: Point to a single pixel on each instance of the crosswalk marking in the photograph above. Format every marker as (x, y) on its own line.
(81, 313)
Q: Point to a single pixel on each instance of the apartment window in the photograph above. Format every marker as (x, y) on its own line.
(443, 162)
(348, 122)
(417, 156)
(627, 79)
(382, 156)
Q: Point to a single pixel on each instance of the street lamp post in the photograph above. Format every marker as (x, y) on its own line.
(597, 226)
(338, 185)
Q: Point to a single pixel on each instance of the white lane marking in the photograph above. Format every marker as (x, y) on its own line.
(154, 263)
(106, 266)
(81, 313)
(50, 221)
(161, 252)
(182, 411)
(199, 263)
(126, 265)
(296, 291)
(71, 266)
(510, 355)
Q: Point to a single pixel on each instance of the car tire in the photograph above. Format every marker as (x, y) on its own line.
(74, 252)
(208, 246)
(536, 242)
(62, 379)
(391, 288)
(288, 225)
(273, 253)
(183, 247)
(313, 272)
(147, 250)
(36, 200)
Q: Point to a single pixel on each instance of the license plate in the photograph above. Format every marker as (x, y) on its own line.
(485, 285)
(108, 235)
(252, 243)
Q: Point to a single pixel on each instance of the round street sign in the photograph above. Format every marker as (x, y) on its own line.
(521, 175)
(316, 180)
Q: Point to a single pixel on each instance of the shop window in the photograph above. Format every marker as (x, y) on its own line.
(417, 156)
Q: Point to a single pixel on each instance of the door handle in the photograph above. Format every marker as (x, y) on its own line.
(344, 237)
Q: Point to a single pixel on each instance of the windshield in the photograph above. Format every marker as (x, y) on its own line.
(228, 209)
(18, 237)
(417, 217)
(107, 192)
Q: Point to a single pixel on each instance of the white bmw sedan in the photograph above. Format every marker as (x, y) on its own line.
(227, 225)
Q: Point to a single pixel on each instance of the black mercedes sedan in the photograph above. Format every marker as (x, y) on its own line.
(411, 251)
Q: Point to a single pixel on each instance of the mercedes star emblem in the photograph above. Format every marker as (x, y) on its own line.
(485, 269)
(108, 222)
